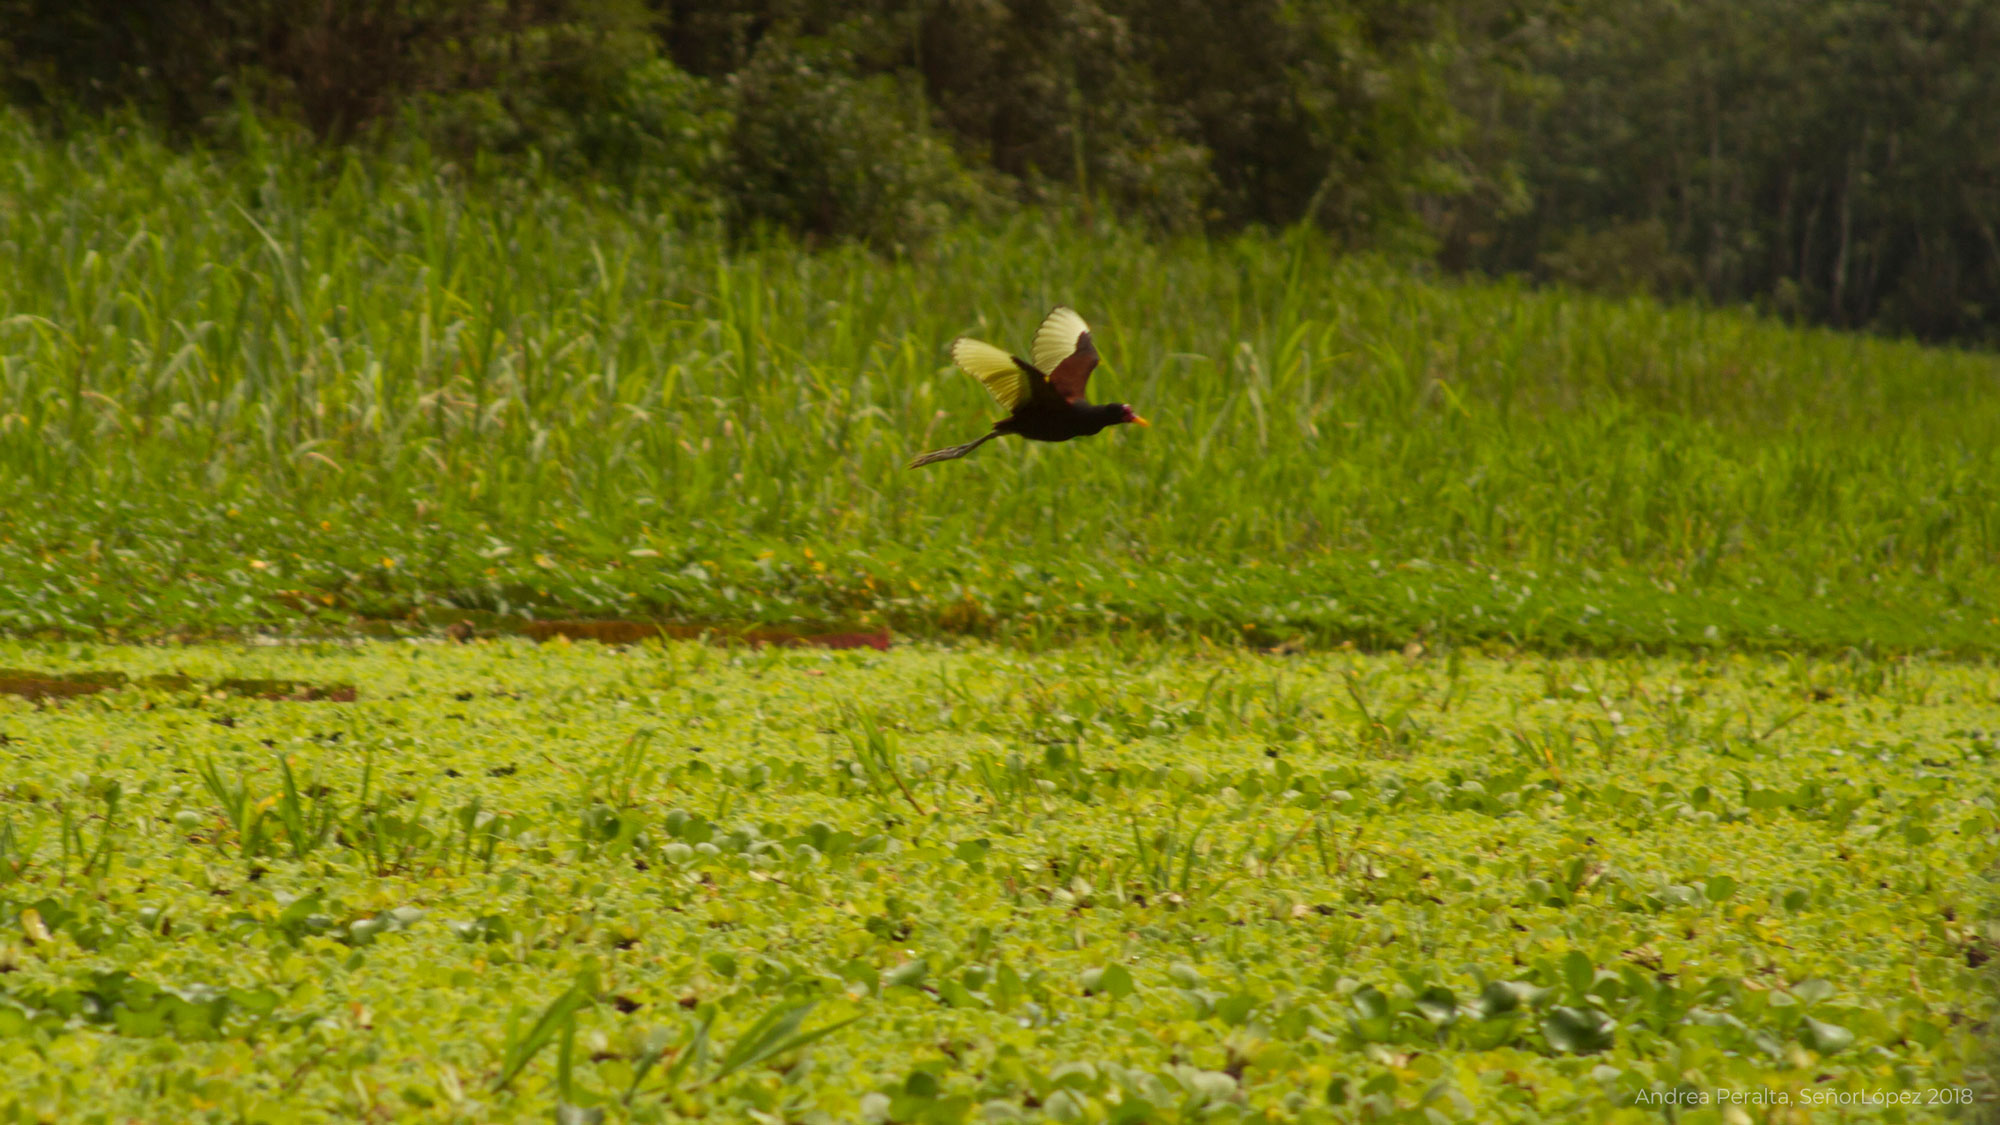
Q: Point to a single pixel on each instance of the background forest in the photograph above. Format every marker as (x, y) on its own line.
(1832, 162)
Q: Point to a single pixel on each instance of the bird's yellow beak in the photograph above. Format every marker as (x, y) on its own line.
(1140, 420)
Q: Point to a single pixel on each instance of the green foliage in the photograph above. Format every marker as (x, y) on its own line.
(1826, 162)
(1144, 883)
(576, 87)
(239, 394)
(646, 127)
(818, 150)
(557, 1019)
(1065, 97)
(847, 122)
(1630, 258)
(1333, 114)
(339, 67)
(1183, 114)
(1829, 161)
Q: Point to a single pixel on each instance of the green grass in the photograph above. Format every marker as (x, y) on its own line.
(289, 388)
(1155, 882)
(1140, 874)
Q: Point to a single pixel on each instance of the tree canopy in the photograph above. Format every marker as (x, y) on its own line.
(1828, 161)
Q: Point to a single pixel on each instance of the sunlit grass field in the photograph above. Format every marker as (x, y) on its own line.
(289, 389)
(1660, 782)
(1110, 882)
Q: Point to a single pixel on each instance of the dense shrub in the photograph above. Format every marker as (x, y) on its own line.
(832, 119)
(1181, 111)
(1061, 94)
(582, 84)
(819, 150)
(338, 66)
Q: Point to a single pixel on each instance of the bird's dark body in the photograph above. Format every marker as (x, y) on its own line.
(1048, 418)
(1056, 427)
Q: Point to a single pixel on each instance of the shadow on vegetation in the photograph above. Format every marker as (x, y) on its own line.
(631, 632)
(295, 691)
(40, 686)
(51, 685)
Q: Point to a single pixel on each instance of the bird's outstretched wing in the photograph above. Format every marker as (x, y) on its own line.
(1009, 380)
(1063, 349)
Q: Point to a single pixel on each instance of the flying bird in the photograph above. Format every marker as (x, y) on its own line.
(1044, 398)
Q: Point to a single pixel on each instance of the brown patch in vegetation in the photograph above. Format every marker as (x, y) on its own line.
(294, 691)
(632, 632)
(56, 685)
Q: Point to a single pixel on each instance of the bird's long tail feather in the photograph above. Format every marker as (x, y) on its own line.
(952, 452)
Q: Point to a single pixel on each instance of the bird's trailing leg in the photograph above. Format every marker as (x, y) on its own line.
(952, 452)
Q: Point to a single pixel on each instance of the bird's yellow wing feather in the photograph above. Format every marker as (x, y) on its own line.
(995, 369)
(1063, 351)
(1057, 337)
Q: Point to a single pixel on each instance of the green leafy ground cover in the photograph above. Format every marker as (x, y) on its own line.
(290, 388)
(1108, 882)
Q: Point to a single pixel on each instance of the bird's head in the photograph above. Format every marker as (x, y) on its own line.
(1127, 414)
